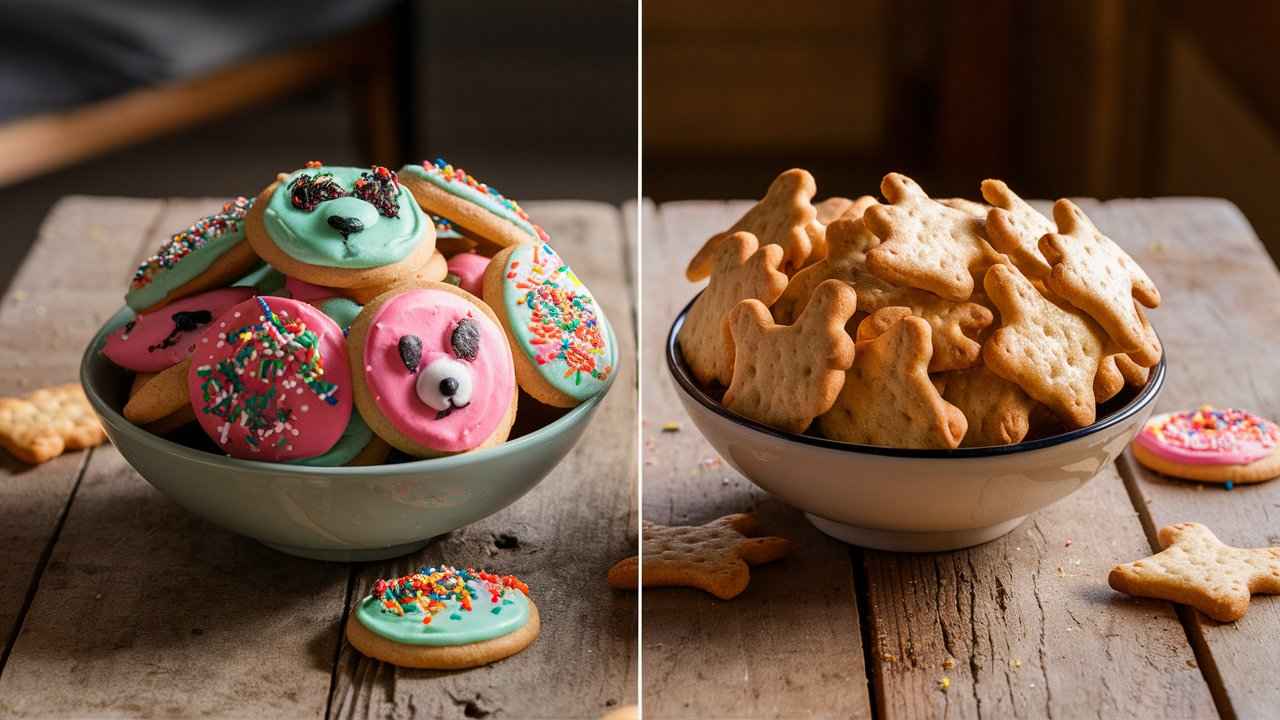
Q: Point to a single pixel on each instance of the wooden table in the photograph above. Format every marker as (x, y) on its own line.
(115, 602)
(1024, 626)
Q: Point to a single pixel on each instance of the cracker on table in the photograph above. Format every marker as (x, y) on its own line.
(41, 426)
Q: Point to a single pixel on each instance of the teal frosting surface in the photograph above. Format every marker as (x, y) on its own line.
(453, 625)
(308, 237)
(187, 254)
(342, 310)
(489, 200)
(266, 280)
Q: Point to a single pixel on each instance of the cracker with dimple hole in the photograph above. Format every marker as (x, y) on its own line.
(714, 557)
(41, 426)
(742, 269)
(1197, 569)
(1094, 274)
(785, 216)
(786, 375)
(888, 397)
(1051, 352)
(999, 412)
(925, 244)
(1015, 228)
(956, 328)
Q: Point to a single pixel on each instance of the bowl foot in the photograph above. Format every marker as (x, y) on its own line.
(909, 541)
(352, 555)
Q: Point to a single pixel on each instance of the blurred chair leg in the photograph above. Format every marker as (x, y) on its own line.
(378, 112)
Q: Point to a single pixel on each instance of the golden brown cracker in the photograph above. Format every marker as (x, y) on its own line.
(163, 395)
(956, 328)
(925, 244)
(785, 217)
(714, 557)
(1196, 568)
(888, 397)
(742, 269)
(1094, 274)
(847, 243)
(41, 426)
(786, 375)
(832, 208)
(1051, 352)
(1014, 227)
(999, 412)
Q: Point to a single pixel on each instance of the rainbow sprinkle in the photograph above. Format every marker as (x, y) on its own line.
(1207, 429)
(443, 169)
(427, 591)
(199, 234)
(249, 388)
(563, 323)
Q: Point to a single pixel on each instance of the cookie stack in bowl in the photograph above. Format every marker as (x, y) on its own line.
(346, 312)
(916, 322)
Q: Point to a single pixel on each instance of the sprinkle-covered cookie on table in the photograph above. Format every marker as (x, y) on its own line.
(211, 253)
(269, 381)
(1217, 445)
(476, 209)
(434, 374)
(558, 332)
(341, 227)
(444, 618)
(163, 338)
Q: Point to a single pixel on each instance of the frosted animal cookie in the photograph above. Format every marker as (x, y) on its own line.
(444, 618)
(888, 398)
(784, 217)
(165, 337)
(475, 209)
(341, 227)
(269, 381)
(925, 244)
(211, 253)
(1197, 569)
(1053, 353)
(1015, 228)
(435, 270)
(741, 269)
(786, 375)
(558, 332)
(467, 269)
(434, 373)
(1210, 445)
(1092, 273)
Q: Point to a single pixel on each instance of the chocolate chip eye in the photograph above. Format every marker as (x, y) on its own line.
(410, 351)
(466, 339)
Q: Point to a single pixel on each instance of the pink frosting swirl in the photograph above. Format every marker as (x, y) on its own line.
(469, 267)
(162, 338)
(1209, 436)
(270, 381)
(413, 349)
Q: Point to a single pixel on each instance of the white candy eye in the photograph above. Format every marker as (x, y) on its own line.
(445, 384)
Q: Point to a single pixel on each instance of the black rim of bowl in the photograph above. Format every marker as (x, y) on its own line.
(680, 372)
(101, 406)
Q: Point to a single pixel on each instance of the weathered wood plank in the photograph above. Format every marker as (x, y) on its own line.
(1220, 324)
(568, 531)
(67, 285)
(771, 652)
(146, 610)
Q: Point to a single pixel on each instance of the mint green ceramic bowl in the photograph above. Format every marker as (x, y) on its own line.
(344, 513)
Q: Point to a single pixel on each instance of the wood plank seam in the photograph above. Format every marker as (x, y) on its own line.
(342, 634)
(1208, 666)
(34, 585)
(866, 621)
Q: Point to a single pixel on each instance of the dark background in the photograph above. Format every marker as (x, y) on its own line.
(1103, 98)
(538, 99)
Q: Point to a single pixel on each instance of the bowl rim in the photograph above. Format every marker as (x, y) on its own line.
(423, 465)
(679, 372)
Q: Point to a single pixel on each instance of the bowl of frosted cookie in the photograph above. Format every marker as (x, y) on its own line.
(352, 362)
(916, 374)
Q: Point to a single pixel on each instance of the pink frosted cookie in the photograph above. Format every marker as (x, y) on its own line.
(270, 381)
(434, 374)
(1211, 445)
(468, 268)
(162, 338)
(306, 292)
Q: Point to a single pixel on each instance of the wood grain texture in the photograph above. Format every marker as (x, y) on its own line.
(145, 609)
(771, 652)
(46, 318)
(1220, 324)
(561, 539)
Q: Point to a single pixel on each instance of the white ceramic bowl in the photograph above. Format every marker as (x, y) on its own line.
(913, 500)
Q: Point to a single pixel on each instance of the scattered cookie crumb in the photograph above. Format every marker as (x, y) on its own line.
(948, 664)
(944, 683)
(1068, 542)
(1015, 663)
(670, 427)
